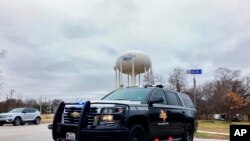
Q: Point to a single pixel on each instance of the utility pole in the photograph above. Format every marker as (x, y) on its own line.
(194, 91)
(11, 94)
(45, 105)
(195, 72)
(49, 107)
(41, 99)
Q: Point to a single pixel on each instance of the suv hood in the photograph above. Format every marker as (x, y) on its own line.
(117, 101)
(8, 114)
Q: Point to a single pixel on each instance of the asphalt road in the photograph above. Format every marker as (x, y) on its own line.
(25, 133)
(35, 133)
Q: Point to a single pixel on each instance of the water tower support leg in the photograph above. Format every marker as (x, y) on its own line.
(128, 79)
(139, 79)
(133, 73)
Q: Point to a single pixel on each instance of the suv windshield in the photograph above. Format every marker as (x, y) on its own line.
(131, 94)
(16, 110)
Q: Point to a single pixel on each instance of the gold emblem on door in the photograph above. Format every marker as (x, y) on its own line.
(163, 115)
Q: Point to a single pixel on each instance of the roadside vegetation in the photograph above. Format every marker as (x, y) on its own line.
(215, 126)
(47, 118)
(45, 107)
(228, 94)
(211, 136)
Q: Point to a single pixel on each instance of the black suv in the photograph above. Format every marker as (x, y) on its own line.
(129, 114)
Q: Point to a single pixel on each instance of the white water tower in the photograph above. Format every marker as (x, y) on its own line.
(132, 63)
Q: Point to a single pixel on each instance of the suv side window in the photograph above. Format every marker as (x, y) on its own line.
(29, 110)
(32, 110)
(160, 94)
(173, 99)
(26, 110)
(187, 101)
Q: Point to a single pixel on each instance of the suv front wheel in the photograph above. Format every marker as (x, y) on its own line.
(37, 120)
(136, 133)
(189, 133)
(17, 121)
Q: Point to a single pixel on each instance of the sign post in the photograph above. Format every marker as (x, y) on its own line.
(194, 72)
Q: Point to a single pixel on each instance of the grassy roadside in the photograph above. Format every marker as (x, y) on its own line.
(47, 118)
(211, 136)
(215, 126)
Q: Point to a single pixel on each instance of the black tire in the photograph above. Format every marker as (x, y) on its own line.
(17, 121)
(23, 123)
(1, 123)
(136, 133)
(37, 120)
(189, 133)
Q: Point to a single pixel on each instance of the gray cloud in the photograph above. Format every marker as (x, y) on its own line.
(68, 50)
(81, 30)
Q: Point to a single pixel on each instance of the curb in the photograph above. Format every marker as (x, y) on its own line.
(217, 133)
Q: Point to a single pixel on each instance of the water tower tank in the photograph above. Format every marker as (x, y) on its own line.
(125, 61)
(132, 63)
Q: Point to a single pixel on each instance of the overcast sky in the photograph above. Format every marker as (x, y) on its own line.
(67, 49)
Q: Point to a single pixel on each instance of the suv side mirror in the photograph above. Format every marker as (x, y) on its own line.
(156, 100)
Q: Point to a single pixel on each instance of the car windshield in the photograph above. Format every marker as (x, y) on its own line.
(16, 110)
(131, 94)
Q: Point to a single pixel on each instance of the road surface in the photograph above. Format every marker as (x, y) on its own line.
(35, 133)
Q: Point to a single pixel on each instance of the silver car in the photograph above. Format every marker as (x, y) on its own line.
(20, 116)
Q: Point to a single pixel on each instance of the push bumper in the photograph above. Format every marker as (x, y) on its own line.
(101, 135)
(108, 134)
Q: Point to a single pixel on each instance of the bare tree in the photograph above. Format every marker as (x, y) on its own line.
(225, 74)
(158, 78)
(229, 86)
(55, 104)
(177, 79)
(31, 103)
(247, 87)
(3, 53)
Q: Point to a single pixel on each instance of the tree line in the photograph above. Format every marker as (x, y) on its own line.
(44, 107)
(228, 93)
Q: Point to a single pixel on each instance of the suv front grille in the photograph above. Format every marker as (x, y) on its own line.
(92, 110)
(71, 114)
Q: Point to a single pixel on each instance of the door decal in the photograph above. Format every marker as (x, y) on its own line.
(163, 115)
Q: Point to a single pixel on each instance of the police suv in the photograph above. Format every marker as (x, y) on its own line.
(130, 114)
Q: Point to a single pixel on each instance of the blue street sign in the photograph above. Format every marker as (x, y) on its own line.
(195, 71)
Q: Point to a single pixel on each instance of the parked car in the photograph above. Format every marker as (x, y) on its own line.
(220, 117)
(20, 116)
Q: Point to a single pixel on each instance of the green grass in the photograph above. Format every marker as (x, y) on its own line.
(215, 126)
(47, 118)
(210, 136)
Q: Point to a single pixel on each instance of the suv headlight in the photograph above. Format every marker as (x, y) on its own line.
(112, 110)
(107, 118)
(109, 115)
(9, 116)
